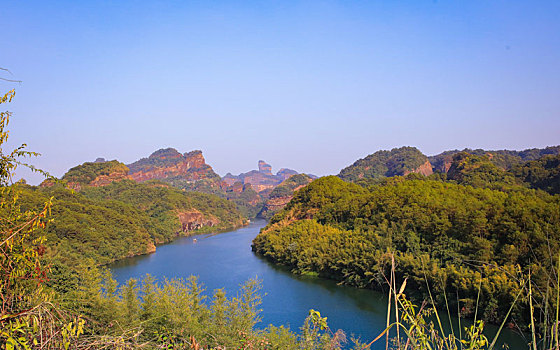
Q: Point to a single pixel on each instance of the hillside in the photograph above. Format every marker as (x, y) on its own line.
(398, 161)
(480, 220)
(543, 173)
(124, 218)
(283, 193)
(98, 173)
(505, 159)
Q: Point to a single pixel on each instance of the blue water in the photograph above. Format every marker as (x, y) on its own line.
(225, 260)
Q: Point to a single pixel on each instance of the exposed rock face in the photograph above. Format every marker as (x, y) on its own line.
(193, 220)
(104, 180)
(424, 169)
(265, 168)
(170, 164)
(261, 180)
(150, 248)
(286, 173)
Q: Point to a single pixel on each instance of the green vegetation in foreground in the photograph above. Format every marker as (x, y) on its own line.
(447, 236)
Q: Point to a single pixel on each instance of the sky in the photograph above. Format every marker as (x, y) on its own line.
(307, 85)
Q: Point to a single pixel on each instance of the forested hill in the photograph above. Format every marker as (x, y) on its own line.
(406, 160)
(126, 218)
(398, 161)
(543, 173)
(481, 226)
(505, 159)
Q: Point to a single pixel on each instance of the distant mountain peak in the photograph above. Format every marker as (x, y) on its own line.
(165, 153)
(398, 161)
(265, 168)
(168, 163)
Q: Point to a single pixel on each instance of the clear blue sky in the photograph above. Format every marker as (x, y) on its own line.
(309, 85)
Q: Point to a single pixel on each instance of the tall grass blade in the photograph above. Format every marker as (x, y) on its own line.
(546, 313)
(432, 299)
(393, 278)
(459, 315)
(505, 318)
(389, 312)
(557, 302)
(448, 314)
(533, 335)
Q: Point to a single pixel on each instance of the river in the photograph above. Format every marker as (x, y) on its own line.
(225, 260)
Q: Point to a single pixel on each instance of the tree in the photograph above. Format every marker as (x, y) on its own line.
(27, 318)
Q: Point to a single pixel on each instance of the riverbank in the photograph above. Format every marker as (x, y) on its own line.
(224, 261)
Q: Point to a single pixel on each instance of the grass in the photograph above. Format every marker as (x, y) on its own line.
(414, 328)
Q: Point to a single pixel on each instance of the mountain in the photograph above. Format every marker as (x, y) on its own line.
(189, 172)
(125, 218)
(262, 179)
(98, 173)
(406, 160)
(398, 161)
(283, 193)
(543, 173)
(479, 171)
(170, 165)
(251, 190)
(505, 159)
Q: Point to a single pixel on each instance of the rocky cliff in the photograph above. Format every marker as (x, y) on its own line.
(169, 165)
(425, 169)
(261, 180)
(265, 168)
(193, 220)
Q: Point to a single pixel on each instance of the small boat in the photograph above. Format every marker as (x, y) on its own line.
(194, 240)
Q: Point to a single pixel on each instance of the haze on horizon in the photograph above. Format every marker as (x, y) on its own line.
(311, 86)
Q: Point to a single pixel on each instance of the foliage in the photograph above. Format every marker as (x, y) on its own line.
(27, 316)
(479, 171)
(543, 173)
(87, 172)
(288, 186)
(504, 159)
(397, 161)
(248, 201)
(464, 236)
(162, 202)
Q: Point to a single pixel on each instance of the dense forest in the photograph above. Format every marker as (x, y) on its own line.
(477, 225)
(398, 161)
(505, 159)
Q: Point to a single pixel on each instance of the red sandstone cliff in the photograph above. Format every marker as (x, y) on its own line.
(169, 163)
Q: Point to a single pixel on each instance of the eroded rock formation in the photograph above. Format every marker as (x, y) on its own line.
(170, 164)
